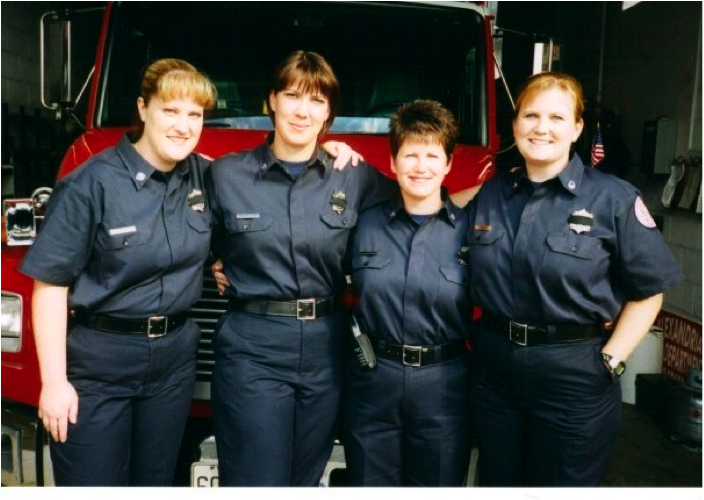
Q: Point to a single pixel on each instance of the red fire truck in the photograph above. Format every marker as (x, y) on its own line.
(384, 54)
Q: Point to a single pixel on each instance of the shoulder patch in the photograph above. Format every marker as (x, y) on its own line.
(643, 215)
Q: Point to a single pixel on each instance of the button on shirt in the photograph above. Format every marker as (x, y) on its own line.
(283, 237)
(570, 250)
(412, 279)
(129, 241)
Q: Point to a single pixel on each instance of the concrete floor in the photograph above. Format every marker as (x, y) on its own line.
(645, 455)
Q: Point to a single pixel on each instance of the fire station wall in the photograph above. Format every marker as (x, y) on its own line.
(652, 69)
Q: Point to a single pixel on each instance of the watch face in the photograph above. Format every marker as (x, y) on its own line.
(616, 366)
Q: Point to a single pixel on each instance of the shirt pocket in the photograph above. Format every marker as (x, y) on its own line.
(370, 276)
(345, 220)
(484, 250)
(581, 247)
(455, 274)
(197, 244)
(199, 222)
(243, 223)
(124, 237)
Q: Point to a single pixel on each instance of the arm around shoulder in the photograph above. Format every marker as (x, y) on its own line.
(461, 198)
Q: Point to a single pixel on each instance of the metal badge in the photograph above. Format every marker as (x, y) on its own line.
(196, 200)
(581, 221)
(338, 202)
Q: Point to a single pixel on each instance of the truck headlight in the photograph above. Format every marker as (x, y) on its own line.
(11, 322)
(23, 217)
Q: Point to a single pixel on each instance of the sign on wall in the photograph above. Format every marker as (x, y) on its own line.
(682, 349)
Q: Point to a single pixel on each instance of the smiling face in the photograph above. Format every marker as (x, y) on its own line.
(299, 118)
(420, 169)
(171, 130)
(544, 129)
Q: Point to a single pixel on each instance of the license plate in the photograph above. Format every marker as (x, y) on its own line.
(204, 474)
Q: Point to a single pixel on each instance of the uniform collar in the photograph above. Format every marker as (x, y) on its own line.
(515, 181)
(140, 169)
(267, 159)
(449, 212)
(570, 178)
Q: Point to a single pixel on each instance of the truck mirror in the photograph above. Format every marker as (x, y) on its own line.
(546, 56)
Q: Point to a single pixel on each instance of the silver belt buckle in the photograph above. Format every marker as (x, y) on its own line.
(305, 309)
(518, 333)
(157, 322)
(414, 350)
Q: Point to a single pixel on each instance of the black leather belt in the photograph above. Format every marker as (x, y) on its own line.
(417, 356)
(154, 327)
(530, 334)
(304, 309)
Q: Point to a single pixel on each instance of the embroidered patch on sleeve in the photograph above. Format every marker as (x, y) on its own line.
(643, 215)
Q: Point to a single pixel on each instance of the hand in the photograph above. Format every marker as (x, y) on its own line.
(220, 278)
(58, 406)
(342, 153)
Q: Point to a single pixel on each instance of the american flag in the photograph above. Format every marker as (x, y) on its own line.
(597, 148)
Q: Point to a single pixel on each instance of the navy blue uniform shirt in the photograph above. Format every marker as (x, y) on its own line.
(412, 279)
(571, 250)
(284, 238)
(128, 240)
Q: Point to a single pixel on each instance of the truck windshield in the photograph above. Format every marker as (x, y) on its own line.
(383, 55)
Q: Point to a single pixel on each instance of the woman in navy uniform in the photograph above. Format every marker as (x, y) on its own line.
(407, 420)
(124, 242)
(283, 219)
(568, 269)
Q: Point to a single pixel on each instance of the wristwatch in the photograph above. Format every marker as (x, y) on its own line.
(615, 366)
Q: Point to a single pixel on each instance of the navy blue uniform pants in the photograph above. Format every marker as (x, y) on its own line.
(276, 395)
(407, 426)
(544, 415)
(134, 395)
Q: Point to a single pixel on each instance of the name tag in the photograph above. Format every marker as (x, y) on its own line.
(122, 230)
(248, 216)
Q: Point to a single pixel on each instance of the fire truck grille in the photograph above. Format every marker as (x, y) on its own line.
(206, 313)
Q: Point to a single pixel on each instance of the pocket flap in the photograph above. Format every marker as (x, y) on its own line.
(456, 274)
(582, 247)
(371, 261)
(248, 223)
(345, 220)
(485, 237)
(199, 222)
(124, 237)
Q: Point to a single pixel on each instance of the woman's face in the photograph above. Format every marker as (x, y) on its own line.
(545, 128)
(420, 169)
(298, 119)
(171, 130)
